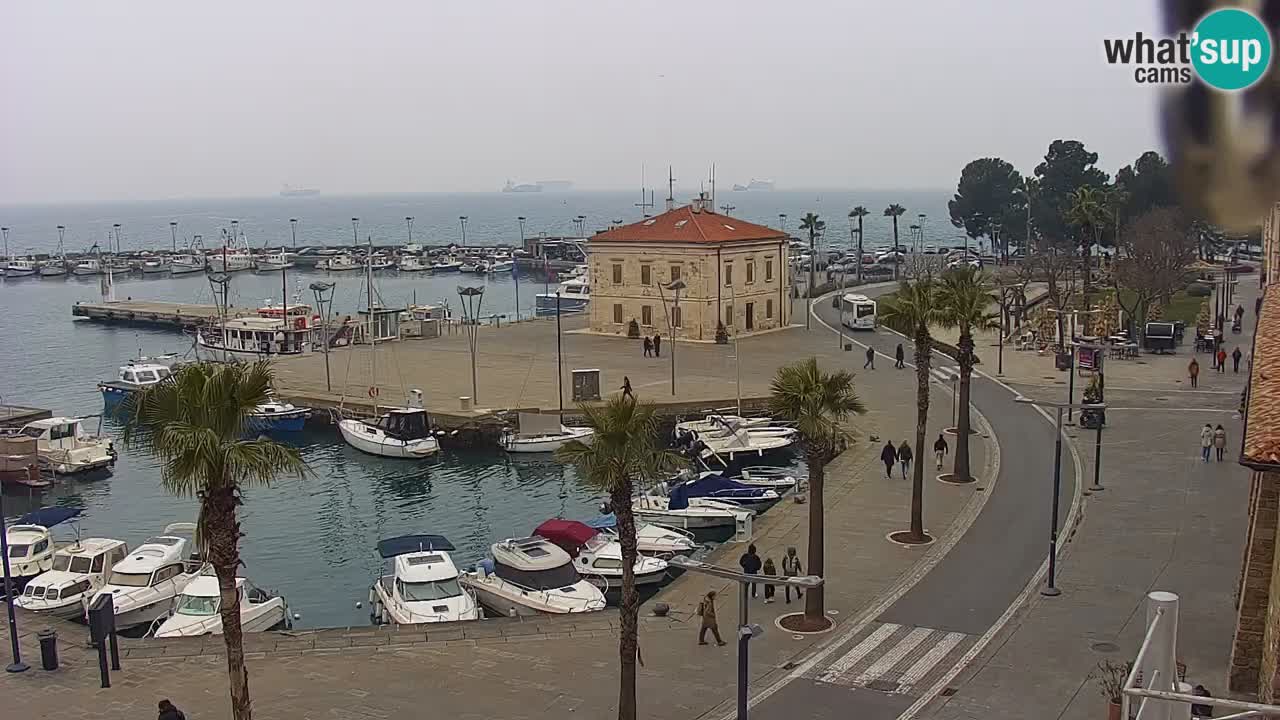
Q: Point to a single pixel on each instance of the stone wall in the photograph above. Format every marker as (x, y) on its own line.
(1257, 636)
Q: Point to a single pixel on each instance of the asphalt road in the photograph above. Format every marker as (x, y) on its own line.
(967, 591)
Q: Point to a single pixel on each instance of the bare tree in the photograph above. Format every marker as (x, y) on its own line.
(1056, 268)
(1158, 249)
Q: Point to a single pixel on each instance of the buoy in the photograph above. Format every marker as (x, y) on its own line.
(297, 616)
(359, 604)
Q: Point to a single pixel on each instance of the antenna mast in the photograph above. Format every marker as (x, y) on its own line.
(671, 189)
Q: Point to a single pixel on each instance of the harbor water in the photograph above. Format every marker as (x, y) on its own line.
(313, 539)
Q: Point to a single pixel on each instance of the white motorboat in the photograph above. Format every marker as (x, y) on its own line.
(400, 433)
(539, 433)
(155, 266)
(717, 421)
(728, 443)
(66, 448)
(143, 585)
(449, 264)
(277, 416)
(188, 263)
(30, 543)
(423, 586)
(715, 486)
(528, 576)
(651, 538)
(275, 261)
(340, 263)
(501, 266)
(87, 266)
(378, 261)
(135, 376)
(21, 267)
(574, 296)
(231, 261)
(197, 609)
(598, 557)
(688, 513)
(78, 572)
(413, 263)
(779, 479)
(471, 266)
(56, 267)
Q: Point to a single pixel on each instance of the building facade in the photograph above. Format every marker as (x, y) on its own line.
(730, 271)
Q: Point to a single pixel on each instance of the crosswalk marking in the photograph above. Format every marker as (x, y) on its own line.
(916, 672)
(894, 656)
(851, 658)
(944, 374)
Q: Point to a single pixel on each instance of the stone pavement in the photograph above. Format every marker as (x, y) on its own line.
(554, 666)
(1165, 522)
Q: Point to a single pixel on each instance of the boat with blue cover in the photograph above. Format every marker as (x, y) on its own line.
(714, 486)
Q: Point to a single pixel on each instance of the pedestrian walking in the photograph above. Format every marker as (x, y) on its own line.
(904, 458)
(168, 711)
(1193, 369)
(888, 456)
(626, 388)
(791, 568)
(1239, 313)
(1220, 441)
(871, 360)
(770, 571)
(657, 345)
(648, 346)
(707, 611)
(899, 356)
(1235, 359)
(940, 449)
(1222, 359)
(750, 563)
(1206, 441)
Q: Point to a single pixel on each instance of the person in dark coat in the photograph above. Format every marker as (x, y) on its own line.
(1235, 359)
(899, 355)
(648, 346)
(169, 712)
(871, 360)
(888, 456)
(940, 449)
(769, 569)
(707, 611)
(657, 345)
(626, 387)
(904, 458)
(750, 563)
(791, 567)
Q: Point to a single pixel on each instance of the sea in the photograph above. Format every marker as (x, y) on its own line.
(313, 540)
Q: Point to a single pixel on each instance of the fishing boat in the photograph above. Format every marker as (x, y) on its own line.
(78, 571)
(277, 416)
(56, 267)
(188, 263)
(379, 261)
(537, 433)
(573, 295)
(87, 266)
(272, 262)
(134, 376)
(21, 267)
(598, 557)
(413, 263)
(530, 576)
(651, 538)
(274, 331)
(231, 261)
(423, 586)
(197, 609)
(30, 543)
(144, 584)
(339, 263)
(65, 447)
(449, 264)
(155, 266)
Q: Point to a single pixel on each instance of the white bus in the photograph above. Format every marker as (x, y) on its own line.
(858, 312)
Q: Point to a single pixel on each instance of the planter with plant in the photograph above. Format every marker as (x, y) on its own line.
(1111, 677)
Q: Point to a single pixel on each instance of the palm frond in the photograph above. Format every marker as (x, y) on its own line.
(817, 403)
(964, 297)
(914, 306)
(624, 449)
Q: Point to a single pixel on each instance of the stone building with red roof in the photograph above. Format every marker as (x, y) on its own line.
(731, 271)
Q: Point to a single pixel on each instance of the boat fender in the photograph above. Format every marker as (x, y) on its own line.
(373, 391)
(385, 616)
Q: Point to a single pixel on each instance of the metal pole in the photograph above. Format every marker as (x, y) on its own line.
(559, 362)
(1051, 588)
(737, 353)
(1004, 321)
(744, 640)
(955, 422)
(1071, 382)
(675, 307)
(17, 665)
(1097, 460)
(173, 232)
(808, 291)
(293, 230)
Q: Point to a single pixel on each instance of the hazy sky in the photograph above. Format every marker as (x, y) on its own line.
(152, 99)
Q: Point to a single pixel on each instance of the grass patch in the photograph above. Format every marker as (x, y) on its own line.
(1180, 307)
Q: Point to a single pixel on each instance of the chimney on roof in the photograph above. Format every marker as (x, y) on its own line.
(700, 203)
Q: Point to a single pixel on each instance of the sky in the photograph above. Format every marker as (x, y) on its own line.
(151, 99)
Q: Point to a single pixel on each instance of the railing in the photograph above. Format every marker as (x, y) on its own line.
(1162, 698)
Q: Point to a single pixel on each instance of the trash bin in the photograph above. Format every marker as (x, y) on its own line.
(48, 649)
(848, 347)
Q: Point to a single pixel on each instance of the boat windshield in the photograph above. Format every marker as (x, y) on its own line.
(550, 579)
(125, 579)
(437, 590)
(197, 605)
(18, 551)
(71, 564)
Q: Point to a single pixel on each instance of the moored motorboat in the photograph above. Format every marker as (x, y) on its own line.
(87, 266)
(143, 585)
(134, 376)
(423, 586)
(573, 295)
(715, 486)
(65, 447)
(413, 263)
(197, 609)
(274, 262)
(598, 557)
(21, 267)
(399, 433)
(679, 511)
(155, 266)
(30, 543)
(340, 263)
(529, 576)
(651, 538)
(78, 571)
(188, 263)
(277, 416)
(538, 433)
(57, 267)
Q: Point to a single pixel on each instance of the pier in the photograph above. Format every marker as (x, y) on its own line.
(153, 313)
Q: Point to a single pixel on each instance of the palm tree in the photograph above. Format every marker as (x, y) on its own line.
(1089, 213)
(964, 298)
(860, 212)
(815, 227)
(817, 403)
(895, 211)
(912, 310)
(624, 449)
(195, 424)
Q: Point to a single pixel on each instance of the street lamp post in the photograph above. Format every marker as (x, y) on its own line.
(173, 232)
(746, 630)
(462, 220)
(293, 230)
(116, 227)
(559, 361)
(355, 232)
(675, 286)
(471, 299)
(408, 223)
(1051, 588)
(5, 231)
(324, 305)
(17, 665)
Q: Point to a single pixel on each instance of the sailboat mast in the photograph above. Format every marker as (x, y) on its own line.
(373, 336)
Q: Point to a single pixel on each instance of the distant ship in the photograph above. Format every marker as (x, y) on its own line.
(288, 191)
(754, 185)
(521, 187)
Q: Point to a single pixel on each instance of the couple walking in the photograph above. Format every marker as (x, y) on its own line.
(1212, 438)
(653, 347)
(901, 454)
(899, 356)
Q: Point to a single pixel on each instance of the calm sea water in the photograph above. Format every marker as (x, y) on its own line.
(313, 540)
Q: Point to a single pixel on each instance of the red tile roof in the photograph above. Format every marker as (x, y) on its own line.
(685, 225)
(1262, 431)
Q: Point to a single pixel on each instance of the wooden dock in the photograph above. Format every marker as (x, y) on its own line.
(15, 416)
(153, 313)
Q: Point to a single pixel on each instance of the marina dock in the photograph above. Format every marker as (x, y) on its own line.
(153, 313)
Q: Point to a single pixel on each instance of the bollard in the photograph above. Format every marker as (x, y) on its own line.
(48, 649)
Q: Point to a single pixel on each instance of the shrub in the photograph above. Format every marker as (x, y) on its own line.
(633, 329)
(1197, 289)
